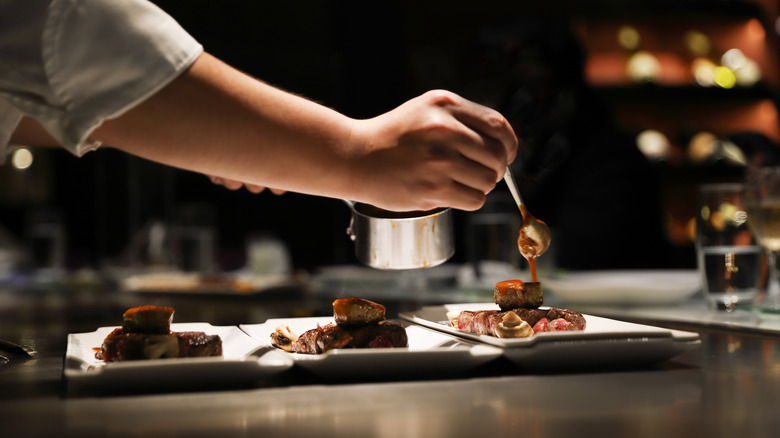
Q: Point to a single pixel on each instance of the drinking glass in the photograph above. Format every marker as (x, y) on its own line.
(762, 204)
(729, 258)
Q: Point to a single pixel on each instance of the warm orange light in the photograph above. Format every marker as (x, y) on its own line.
(703, 71)
(755, 29)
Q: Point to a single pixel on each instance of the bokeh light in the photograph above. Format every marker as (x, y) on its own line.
(643, 66)
(697, 42)
(653, 144)
(628, 37)
(733, 59)
(22, 159)
(702, 147)
(749, 74)
(724, 77)
(703, 71)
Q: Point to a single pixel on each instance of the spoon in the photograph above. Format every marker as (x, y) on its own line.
(534, 238)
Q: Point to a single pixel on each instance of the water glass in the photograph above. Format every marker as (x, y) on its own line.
(730, 260)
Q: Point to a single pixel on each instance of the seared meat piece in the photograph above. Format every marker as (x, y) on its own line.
(121, 346)
(332, 336)
(357, 311)
(486, 322)
(514, 294)
(199, 344)
(147, 319)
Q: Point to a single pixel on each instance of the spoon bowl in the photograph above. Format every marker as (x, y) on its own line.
(534, 238)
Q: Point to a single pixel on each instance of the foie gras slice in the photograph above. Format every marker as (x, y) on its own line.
(514, 294)
(357, 311)
(148, 319)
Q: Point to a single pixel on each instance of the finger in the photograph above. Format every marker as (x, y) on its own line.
(232, 185)
(485, 151)
(463, 197)
(278, 191)
(474, 175)
(488, 122)
(254, 188)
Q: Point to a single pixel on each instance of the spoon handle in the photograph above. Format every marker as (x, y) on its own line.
(510, 182)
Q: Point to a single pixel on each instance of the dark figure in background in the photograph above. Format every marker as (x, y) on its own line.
(577, 171)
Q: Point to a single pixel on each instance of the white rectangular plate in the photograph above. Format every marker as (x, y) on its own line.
(429, 353)
(603, 342)
(238, 364)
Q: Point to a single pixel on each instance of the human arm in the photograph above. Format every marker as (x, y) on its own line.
(434, 150)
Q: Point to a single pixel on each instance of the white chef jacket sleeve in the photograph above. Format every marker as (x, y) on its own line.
(71, 64)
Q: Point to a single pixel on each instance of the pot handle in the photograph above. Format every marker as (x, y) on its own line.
(350, 228)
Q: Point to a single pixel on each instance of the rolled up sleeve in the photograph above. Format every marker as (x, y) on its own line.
(86, 61)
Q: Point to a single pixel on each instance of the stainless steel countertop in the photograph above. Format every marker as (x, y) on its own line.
(730, 386)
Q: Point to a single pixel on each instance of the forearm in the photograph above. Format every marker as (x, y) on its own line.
(216, 120)
(434, 150)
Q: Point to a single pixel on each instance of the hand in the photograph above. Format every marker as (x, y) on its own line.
(236, 185)
(437, 150)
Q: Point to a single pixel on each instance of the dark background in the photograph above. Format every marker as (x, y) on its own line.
(578, 171)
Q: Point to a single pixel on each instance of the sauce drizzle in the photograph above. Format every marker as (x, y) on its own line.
(503, 286)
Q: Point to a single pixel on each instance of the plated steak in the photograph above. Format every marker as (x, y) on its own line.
(358, 323)
(332, 336)
(486, 322)
(146, 334)
(122, 346)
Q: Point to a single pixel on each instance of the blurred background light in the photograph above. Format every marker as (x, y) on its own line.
(733, 59)
(643, 66)
(653, 144)
(749, 74)
(703, 71)
(703, 146)
(697, 42)
(628, 37)
(22, 158)
(724, 77)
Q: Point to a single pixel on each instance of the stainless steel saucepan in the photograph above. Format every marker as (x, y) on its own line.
(394, 241)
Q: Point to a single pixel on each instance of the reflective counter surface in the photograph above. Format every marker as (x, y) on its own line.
(730, 386)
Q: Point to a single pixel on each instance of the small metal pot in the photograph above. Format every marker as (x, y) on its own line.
(391, 240)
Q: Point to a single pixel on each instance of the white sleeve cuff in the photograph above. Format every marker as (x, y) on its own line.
(101, 58)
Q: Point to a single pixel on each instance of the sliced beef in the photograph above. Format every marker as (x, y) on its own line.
(122, 346)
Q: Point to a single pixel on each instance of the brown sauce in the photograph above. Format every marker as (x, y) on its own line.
(503, 286)
(527, 245)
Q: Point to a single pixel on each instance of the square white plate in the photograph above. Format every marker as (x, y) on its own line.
(604, 342)
(238, 364)
(429, 353)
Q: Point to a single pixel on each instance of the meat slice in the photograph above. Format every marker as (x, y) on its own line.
(122, 346)
(514, 294)
(148, 319)
(486, 322)
(333, 336)
(357, 311)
